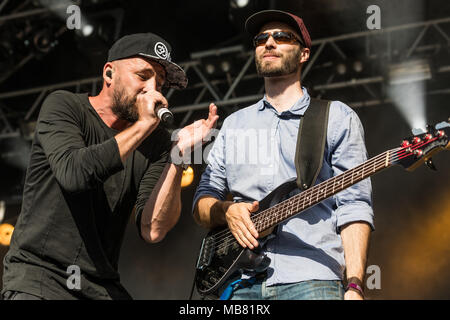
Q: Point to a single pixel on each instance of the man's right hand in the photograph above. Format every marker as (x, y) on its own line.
(147, 103)
(129, 139)
(240, 224)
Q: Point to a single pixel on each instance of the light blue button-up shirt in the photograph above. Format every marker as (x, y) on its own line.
(254, 153)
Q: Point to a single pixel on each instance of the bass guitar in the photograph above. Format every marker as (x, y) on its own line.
(221, 257)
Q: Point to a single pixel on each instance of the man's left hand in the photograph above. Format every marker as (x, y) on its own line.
(194, 134)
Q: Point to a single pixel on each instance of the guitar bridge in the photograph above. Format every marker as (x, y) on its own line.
(206, 253)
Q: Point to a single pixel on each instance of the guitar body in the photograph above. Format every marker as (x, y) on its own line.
(222, 258)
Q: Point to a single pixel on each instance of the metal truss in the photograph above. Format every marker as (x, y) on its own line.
(224, 88)
(22, 12)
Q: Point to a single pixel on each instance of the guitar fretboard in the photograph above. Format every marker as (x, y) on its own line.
(308, 198)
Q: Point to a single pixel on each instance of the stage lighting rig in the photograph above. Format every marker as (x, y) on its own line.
(409, 71)
(44, 40)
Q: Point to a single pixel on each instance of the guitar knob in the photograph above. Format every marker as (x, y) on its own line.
(428, 136)
(405, 143)
(440, 134)
(418, 153)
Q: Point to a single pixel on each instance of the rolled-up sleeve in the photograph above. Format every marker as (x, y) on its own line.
(76, 166)
(213, 181)
(348, 151)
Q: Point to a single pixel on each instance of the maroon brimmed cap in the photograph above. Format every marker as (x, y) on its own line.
(152, 47)
(256, 21)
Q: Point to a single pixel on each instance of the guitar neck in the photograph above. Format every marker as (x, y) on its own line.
(286, 209)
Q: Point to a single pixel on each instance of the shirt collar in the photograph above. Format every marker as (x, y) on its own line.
(298, 108)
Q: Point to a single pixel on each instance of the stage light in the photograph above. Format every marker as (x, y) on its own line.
(99, 31)
(188, 177)
(341, 69)
(409, 98)
(410, 71)
(44, 40)
(225, 65)
(407, 90)
(210, 68)
(239, 3)
(6, 231)
(357, 66)
(87, 30)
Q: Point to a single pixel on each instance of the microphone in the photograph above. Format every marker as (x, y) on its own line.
(164, 115)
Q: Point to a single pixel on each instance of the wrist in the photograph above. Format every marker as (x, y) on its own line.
(225, 205)
(222, 210)
(177, 159)
(178, 164)
(145, 126)
(355, 287)
(356, 280)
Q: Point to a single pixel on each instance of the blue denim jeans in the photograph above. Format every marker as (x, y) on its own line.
(305, 290)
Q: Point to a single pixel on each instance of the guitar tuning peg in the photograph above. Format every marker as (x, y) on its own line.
(430, 164)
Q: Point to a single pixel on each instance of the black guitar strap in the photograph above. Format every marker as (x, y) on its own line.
(311, 140)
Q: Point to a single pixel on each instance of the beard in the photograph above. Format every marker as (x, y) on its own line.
(124, 107)
(290, 63)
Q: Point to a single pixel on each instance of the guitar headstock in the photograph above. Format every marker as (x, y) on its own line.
(419, 148)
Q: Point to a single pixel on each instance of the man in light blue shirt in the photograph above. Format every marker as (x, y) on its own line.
(315, 251)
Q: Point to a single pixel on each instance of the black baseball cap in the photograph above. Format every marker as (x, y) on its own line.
(256, 21)
(153, 47)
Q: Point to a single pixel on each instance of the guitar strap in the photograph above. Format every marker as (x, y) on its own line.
(311, 140)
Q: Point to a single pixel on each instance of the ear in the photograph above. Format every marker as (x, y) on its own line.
(108, 73)
(304, 55)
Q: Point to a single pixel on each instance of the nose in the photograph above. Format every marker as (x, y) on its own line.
(270, 43)
(151, 85)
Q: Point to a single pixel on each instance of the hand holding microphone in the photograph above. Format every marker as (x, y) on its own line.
(152, 107)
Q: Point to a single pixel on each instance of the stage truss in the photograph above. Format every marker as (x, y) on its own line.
(235, 84)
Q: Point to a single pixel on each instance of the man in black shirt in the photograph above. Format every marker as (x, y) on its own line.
(93, 159)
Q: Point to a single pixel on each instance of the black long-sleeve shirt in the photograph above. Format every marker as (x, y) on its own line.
(77, 200)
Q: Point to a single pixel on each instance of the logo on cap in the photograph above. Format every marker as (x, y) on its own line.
(161, 50)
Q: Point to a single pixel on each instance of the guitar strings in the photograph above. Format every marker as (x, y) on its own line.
(394, 155)
(281, 206)
(346, 177)
(218, 235)
(326, 183)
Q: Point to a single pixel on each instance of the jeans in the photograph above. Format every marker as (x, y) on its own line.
(305, 290)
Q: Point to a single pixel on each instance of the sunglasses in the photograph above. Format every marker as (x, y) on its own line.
(280, 37)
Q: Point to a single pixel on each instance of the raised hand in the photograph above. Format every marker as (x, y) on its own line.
(194, 134)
